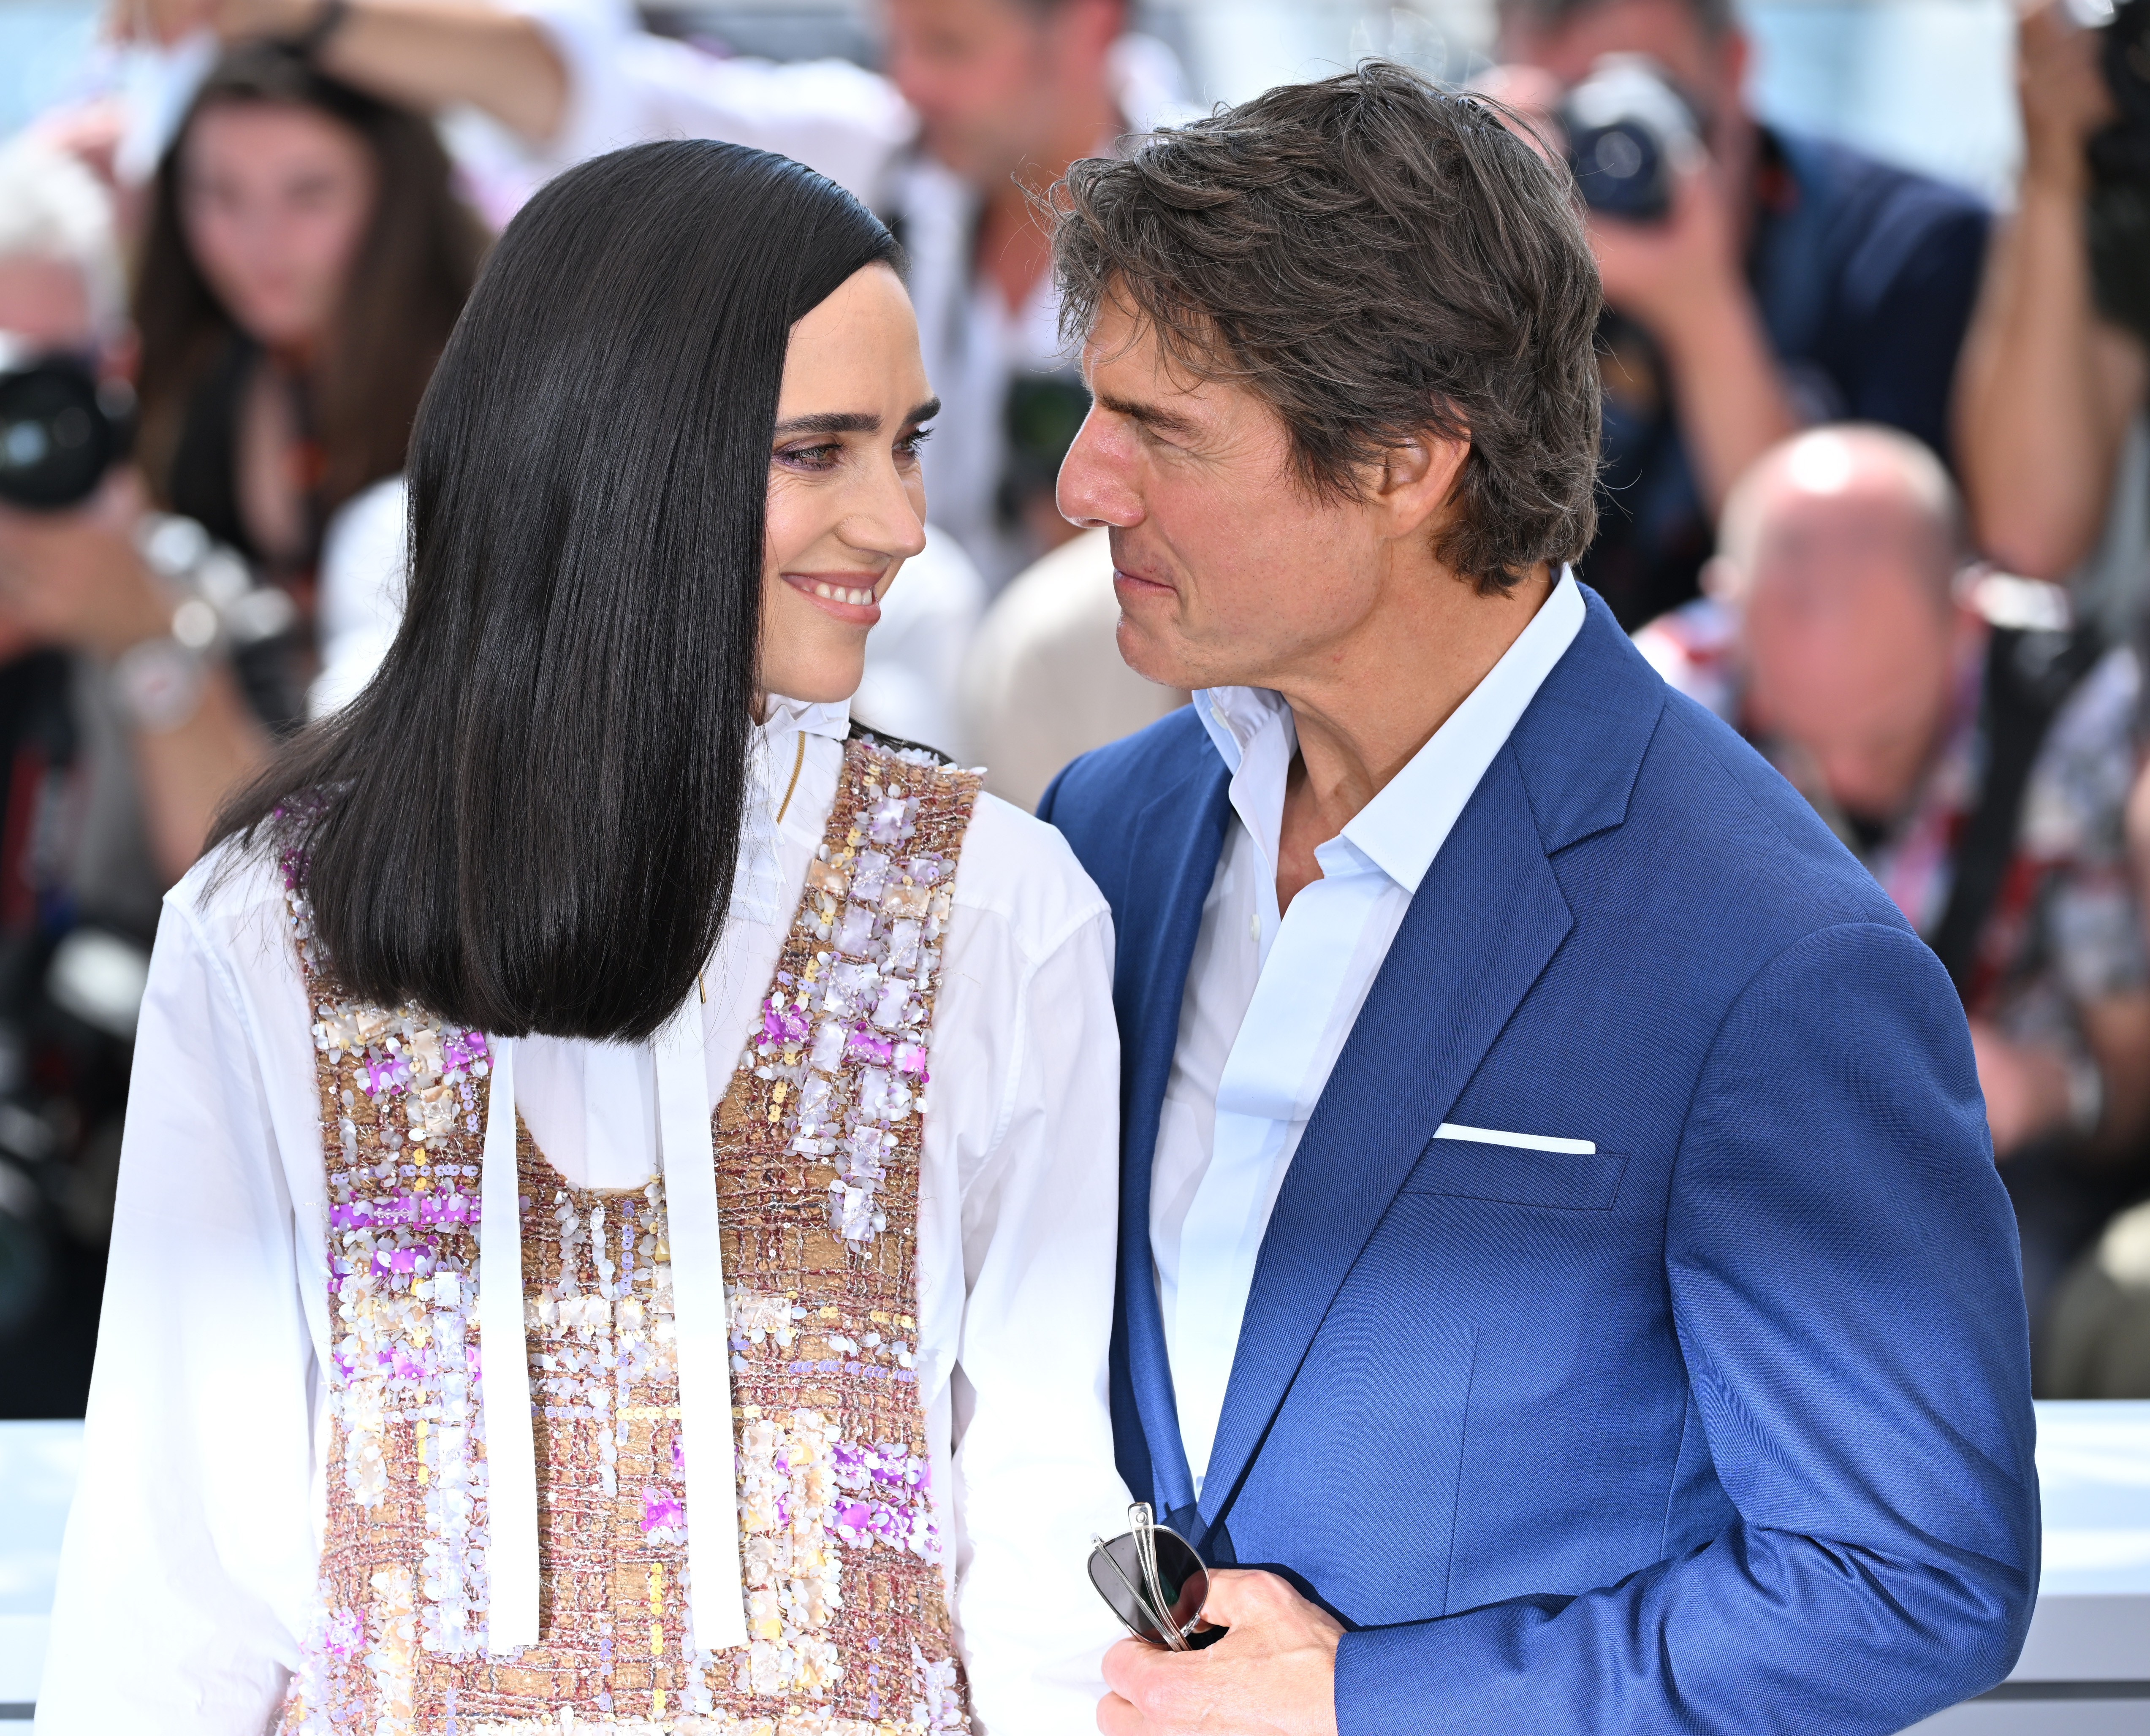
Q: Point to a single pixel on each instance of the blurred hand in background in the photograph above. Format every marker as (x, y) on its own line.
(2048, 385)
(424, 54)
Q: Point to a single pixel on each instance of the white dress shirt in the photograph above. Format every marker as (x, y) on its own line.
(1269, 1000)
(188, 1575)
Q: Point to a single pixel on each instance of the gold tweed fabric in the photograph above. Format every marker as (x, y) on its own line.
(818, 1147)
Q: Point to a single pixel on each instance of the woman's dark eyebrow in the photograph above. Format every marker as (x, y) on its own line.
(849, 421)
(833, 421)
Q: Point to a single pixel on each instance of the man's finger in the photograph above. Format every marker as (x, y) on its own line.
(1116, 1717)
(1127, 1666)
(1239, 1595)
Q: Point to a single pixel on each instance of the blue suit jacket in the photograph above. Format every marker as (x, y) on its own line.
(1725, 1428)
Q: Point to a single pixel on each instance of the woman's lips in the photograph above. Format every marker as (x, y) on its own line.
(847, 596)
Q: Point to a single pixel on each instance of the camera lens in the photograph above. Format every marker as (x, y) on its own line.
(57, 437)
(1625, 125)
(1617, 157)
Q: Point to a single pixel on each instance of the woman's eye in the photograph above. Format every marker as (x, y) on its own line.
(907, 448)
(812, 457)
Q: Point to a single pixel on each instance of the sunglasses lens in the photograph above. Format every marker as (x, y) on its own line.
(1118, 1572)
(1183, 1579)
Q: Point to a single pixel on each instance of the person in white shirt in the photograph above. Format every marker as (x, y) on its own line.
(591, 995)
(984, 103)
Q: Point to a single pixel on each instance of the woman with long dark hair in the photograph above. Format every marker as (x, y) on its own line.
(305, 259)
(617, 1218)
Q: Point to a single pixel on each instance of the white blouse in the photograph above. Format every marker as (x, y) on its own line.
(188, 1573)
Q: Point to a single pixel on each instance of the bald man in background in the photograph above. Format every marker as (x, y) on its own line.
(1976, 754)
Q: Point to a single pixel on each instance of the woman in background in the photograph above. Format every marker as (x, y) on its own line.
(305, 259)
(589, 994)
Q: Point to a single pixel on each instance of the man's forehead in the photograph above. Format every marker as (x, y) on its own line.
(956, 18)
(1666, 30)
(1126, 363)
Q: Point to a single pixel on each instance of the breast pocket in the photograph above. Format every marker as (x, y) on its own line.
(1511, 1175)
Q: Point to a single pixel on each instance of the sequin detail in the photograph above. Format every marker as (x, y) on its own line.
(818, 1145)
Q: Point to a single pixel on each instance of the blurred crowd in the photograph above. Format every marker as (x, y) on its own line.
(1876, 489)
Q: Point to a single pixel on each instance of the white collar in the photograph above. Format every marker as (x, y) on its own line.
(786, 718)
(1402, 829)
(775, 750)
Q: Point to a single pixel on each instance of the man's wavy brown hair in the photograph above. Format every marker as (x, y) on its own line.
(1377, 258)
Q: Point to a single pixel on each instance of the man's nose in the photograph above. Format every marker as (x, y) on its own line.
(1096, 488)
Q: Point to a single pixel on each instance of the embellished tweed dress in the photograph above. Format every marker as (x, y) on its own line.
(818, 1143)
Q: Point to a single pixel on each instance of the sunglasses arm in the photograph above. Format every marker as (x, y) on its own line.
(1165, 1625)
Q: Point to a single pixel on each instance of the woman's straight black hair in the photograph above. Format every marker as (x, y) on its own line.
(529, 820)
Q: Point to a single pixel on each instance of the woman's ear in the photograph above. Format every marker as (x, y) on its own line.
(1416, 478)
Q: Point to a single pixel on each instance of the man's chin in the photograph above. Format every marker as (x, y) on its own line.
(1141, 651)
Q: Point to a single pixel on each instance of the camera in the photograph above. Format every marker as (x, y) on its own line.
(2119, 154)
(1628, 131)
(61, 427)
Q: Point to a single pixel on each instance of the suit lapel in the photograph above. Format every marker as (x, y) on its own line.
(1486, 919)
(1181, 835)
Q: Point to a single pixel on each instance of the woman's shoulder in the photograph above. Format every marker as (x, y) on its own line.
(234, 906)
(1018, 868)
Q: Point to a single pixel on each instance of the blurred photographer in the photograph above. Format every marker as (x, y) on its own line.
(1976, 751)
(1758, 280)
(121, 727)
(2056, 366)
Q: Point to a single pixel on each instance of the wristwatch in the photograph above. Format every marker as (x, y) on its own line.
(157, 685)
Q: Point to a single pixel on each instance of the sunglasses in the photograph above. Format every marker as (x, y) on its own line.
(1154, 1581)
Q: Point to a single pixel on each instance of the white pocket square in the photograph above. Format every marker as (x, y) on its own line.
(1527, 1142)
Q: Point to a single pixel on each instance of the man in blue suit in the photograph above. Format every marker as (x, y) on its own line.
(1560, 1243)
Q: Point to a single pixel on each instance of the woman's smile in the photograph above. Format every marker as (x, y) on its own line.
(848, 595)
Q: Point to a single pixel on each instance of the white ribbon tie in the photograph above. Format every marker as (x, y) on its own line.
(716, 1599)
(510, 1452)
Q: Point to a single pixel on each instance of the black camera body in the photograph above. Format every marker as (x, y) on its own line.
(2120, 174)
(1628, 130)
(61, 427)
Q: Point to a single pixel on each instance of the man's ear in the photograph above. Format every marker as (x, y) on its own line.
(1417, 478)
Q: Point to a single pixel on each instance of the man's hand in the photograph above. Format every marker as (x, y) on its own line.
(2064, 96)
(1274, 1674)
(1681, 282)
(1671, 275)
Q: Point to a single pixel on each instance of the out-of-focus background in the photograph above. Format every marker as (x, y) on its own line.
(1923, 82)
